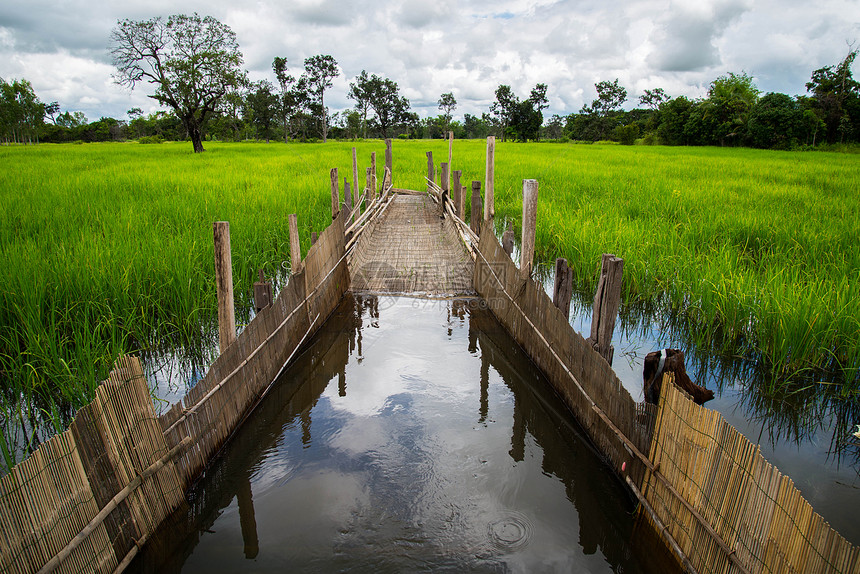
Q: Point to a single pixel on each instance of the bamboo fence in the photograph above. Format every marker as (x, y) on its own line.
(761, 521)
(238, 378)
(58, 491)
(89, 497)
(583, 379)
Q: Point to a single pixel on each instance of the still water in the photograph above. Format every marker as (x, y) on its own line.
(411, 435)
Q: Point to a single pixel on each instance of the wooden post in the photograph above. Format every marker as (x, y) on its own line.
(443, 178)
(335, 194)
(314, 237)
(295, 246)
(355, 189)
(457, 193)
(489, 205)
(607, 301)
(347, 196)
(224, 282)
(431, 169)
(475, 217)
(373, 175)
(262, 293)
(527, 246)
(508, 240)
(563, 286)
(368, 187)
(388, 159)
(450, 159)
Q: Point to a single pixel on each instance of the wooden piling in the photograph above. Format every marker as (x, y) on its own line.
(388, 159)
(527, 250)
(262, 292)
(295, 245)
(489, 205)
(373, 175)
(431, 169)
(314, 237)
(368, 186)
(443, 178)
(457, 194)
(450, 159)
(224, 282)
(563, 290)
(508, 240)
(335, 194)
(607, 301)
(355, 189)
(347, 196)
(475, 217)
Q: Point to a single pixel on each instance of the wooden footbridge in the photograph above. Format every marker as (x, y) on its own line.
(89, 498)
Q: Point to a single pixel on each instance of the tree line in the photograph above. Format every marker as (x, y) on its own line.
(194, 67)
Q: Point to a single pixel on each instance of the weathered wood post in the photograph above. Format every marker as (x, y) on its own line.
(563, 290)
(224, 283)
(457, 193)
(347, 196)
(295, 246)
(443, 178)
(475, 217)
(388, 159)
(527, 246)
(607, 301)
(335, 194)
(355, 189)
(450, 159)
(431, 169)
(373, 175)
(508, 239)
(314, 237)
(368, 186)
(489, 205)
(262, 292)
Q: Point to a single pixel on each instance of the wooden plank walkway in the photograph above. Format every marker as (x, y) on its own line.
(412, 250)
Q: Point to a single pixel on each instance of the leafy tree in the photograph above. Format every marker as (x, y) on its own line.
(261, 107)
(727, 109)
(288, 100)
(653, 99)
(21, 111)
(835, 94)
(505, 107)
(51, 110)
(361, 92)
(388, 105)
(599, 117)
(674, 115)
(776, 121)
(193, 63)
(610, 97)
(319, 72)
(447, 105)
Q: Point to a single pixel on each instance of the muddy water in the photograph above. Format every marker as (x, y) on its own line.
(412, 435)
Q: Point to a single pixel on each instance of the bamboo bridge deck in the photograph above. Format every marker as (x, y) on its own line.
(412, 249)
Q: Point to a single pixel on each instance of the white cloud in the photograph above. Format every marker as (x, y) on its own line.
(468, 47)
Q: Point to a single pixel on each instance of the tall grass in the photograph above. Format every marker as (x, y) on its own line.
(107, 249)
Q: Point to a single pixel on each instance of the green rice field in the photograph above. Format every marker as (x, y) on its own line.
(107, 248)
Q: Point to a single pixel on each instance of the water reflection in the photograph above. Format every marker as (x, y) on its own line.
(410, 435)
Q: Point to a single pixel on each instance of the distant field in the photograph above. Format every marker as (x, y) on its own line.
(107, 248)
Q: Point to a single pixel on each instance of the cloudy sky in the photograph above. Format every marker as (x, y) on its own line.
(467, 47)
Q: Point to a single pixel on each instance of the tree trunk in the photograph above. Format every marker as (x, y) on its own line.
(196, 136)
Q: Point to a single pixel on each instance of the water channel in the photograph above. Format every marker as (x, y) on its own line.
(412, 435)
